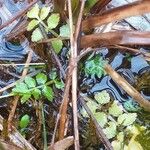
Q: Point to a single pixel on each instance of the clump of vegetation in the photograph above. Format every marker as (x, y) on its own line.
(36, 88)
(49, 21)
(94, 66)
(118, 125)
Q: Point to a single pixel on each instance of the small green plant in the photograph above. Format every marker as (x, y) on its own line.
(112, 118)
(94, 66)
(24, 121)
(40, 16)
(35, 88)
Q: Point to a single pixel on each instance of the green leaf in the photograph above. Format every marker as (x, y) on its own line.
(102, 97)
(53, 21)
(48, 93)
(30, 82)
(95, 67)
(25, 98)
(53, 74)
(127, 119)
(117, 145)
(115, 110)
(101, 118)
(120, 136)
(44, 12)
(111, 130)
(36, 35)
(41, 78)
(134, 145)
(21, 87)
(57, 45)
(34, 12)
(65, 31)
(24, 122)
(32, 24)
(36, 93)
(59, 84)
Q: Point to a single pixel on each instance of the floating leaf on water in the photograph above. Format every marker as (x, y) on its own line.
(25, 98)
(48, 93)
(53, 21)
(41, 78)
(30, 82)
(57, 45)
(115, 110)
(127, 119)
(111, 130)
(36, 93)
(102, 97)
(44, 12)
(101, 118)
(24, 122)
(34, 12)
(32, 24)
(65, 31)
(36, 35)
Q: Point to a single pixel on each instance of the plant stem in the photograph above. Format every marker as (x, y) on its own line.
(44, 128)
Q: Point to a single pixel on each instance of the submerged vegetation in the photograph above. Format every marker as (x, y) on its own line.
(90, 76)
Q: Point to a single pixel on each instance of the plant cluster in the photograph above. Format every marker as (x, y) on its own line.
(94, 66)
(38, 87)
(116, 123)
(49, 22)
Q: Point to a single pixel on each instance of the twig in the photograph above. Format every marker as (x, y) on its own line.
(119, 13)
(74, 41)
(19, 14)
(100, 132)
(16, 98)
(44, 128)
(52, 52)
(30, 64)
(127, 87)
(14, 83)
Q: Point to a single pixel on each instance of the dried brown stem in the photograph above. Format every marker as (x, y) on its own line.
(116, 38)
(16, 98)
(128, 88)
(122, 12)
